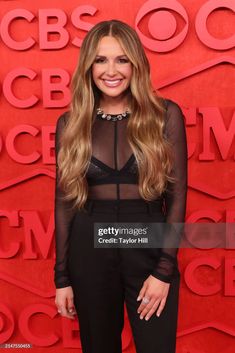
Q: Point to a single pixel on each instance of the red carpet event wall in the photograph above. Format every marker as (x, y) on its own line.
(190, 46)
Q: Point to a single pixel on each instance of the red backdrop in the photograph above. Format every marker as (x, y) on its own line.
(190, 46)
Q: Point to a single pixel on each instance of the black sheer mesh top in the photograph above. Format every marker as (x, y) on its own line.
(113, 174)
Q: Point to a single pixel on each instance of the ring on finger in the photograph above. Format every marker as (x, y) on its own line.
(145, 300)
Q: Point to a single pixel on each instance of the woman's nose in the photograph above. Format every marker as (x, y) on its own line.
(111, 69)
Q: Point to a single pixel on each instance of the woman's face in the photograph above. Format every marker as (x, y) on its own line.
(111, 69)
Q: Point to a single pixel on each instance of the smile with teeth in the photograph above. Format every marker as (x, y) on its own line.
(112, 83)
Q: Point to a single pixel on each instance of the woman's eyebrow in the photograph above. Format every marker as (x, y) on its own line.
(102, 56)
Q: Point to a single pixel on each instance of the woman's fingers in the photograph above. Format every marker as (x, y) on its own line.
(150, 312)
(147, 310)
(161, 307)
(146, 302)
(71, 308)
(64, 311)
(144, 307)
(142, 291)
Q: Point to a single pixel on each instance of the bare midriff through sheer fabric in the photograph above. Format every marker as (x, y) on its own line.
(113, 175)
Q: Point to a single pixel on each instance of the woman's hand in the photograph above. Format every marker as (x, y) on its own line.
(154, 293)
(64, 302)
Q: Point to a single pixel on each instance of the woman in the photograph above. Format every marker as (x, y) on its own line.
(121, 156)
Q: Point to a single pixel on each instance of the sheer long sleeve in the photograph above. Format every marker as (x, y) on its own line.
(63, 215)
(175, 197)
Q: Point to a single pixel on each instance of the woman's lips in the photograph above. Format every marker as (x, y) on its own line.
(112, 83)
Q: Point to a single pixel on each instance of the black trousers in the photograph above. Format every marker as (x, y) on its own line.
(104, 278)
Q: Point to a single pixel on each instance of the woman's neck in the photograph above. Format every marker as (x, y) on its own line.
(113, 105)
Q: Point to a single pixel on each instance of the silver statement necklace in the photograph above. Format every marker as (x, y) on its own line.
(112, 117)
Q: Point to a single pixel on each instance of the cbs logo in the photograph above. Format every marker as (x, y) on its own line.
(162, 25)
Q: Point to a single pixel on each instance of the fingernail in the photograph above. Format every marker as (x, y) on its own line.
(146, 318)
(70, 310)
(139, 297)
(141, 317)
(158, 314)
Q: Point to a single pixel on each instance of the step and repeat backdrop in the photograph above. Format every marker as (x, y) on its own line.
(190, 46)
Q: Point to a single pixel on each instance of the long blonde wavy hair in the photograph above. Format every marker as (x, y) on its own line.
(145, 128)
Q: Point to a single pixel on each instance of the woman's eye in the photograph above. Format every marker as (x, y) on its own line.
(122, 60)
(98, 60)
